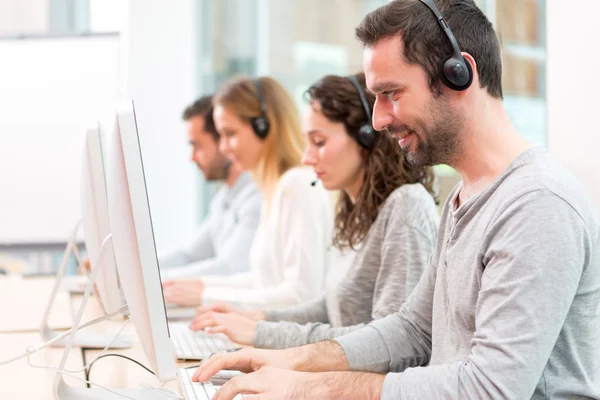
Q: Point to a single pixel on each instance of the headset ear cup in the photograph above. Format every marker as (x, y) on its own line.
(448, 83)
(260, 126)
(366, 137)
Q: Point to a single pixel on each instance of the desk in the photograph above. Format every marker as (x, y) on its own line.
(118, 372)
(20, 381)
(23, 302)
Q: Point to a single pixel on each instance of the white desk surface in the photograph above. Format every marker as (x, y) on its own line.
(23, 301)
(20, 381)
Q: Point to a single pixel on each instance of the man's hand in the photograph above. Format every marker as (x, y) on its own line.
(225, 308)
(236, 327)
(318, 357)
(183, 292)
(274, 384)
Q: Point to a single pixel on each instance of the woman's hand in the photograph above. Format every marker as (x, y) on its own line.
(183, 292)
(236, 327)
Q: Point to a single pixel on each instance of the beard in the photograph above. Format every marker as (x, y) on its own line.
(219, 171)
(438, 139)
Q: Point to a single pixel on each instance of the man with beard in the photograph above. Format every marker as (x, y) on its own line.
(222, 243)
(508, 307)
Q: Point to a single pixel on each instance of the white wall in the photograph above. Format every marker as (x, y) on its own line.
(50, 89)
(159, 52)
(24, 16)
(107, 15)
(573, 88)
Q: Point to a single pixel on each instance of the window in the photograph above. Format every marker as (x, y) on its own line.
(312, 38)
(228, 32)
(27, 18)
(295, 41)
(521, 27)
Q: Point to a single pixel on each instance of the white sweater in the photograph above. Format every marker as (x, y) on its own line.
(290, 252)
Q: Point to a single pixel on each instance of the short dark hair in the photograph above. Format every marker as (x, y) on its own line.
(386, 166)
(202, 108)
(425, 43)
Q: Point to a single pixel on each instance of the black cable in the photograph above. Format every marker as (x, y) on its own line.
(89, 368)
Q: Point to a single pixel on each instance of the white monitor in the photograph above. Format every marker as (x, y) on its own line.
(133, 242)
(96, 224)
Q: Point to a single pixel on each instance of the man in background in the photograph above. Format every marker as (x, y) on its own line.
(222, 243)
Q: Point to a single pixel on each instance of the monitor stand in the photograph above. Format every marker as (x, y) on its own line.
(63, 391)
(88, 340)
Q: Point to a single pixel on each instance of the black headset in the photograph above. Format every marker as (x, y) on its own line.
(455, 71)
(260, 124)
(366, 135)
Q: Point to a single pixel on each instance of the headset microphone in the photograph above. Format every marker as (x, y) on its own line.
(313, 183)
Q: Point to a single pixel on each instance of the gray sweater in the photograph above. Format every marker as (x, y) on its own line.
(385, 270)
(509, 307)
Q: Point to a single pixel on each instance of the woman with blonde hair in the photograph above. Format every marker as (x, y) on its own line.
(259, 130)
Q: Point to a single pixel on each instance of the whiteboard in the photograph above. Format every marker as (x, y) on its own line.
(50, 90)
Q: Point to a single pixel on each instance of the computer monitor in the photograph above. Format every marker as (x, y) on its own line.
(135, 255)
(96, 223)
(134, 246)
(96, 227)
